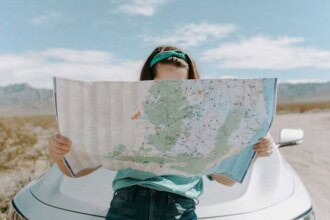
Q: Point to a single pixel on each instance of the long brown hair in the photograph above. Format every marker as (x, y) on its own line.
(148, 73)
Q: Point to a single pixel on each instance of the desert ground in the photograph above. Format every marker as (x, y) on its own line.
(24, 154)
(311, 158)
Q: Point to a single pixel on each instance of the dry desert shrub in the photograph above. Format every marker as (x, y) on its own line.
(14, 143)
(301, 107)
(23, 153)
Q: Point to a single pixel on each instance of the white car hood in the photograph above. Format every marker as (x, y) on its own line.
(268, 182)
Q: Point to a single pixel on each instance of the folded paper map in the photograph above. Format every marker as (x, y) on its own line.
(179, 127)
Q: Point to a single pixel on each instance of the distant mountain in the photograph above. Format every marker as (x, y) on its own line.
(23, 99)
(303, 92)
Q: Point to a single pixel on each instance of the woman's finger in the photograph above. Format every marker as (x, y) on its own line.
(57, 150)
(56, 156)
(265, 148)
(264, 154)
(260, 146)
(265, 141)
(62, 139)
(267, 138)
(59, 145)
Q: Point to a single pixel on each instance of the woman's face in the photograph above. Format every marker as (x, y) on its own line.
(168, 71)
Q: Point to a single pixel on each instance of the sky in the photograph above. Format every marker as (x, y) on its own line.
(111, 39)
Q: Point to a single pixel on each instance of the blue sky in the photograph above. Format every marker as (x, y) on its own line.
(110, 39)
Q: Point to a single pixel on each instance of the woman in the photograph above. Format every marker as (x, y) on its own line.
(142, 195)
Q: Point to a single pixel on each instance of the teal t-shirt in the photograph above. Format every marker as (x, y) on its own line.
(191, 187)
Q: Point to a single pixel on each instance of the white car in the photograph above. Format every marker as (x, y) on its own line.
(271, 190)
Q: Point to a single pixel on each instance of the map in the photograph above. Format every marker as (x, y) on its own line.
(183, 127)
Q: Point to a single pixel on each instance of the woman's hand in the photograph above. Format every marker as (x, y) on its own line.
(265, 146)
(59, 145)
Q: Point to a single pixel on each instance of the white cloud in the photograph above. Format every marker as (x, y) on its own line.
(46, 18)
(140, 7)
(78, 56)
(261, 52)
(193, 34)
(38, 67)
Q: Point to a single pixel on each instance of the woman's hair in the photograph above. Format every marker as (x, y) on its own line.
(148, 73)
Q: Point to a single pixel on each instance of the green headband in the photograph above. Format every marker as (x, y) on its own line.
(162, 55)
